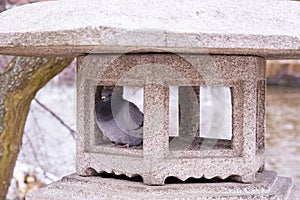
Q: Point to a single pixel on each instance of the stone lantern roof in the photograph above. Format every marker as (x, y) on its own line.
(70, 27)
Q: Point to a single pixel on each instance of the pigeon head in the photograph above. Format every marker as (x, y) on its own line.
(106, 95)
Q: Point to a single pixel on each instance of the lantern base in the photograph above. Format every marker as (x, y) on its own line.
(267, 185)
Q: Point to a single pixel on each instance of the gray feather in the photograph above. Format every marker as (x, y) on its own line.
(120, 120)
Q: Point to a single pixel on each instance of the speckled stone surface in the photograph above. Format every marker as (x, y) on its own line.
(266, 28)
(265, 187)
(156, 72)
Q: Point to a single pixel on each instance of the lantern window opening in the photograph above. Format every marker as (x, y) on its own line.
(128, 93)
(201, 117)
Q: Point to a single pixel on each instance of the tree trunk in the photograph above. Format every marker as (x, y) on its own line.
(19, 83)
(2, 5)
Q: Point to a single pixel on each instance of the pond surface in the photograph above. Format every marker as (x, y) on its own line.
(283, 131)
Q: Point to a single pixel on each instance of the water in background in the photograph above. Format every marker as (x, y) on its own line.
(283, 131)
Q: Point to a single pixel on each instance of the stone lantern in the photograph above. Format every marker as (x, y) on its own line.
(162, 47)
(184, 156)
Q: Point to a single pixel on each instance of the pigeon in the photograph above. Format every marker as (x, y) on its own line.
(120, 120)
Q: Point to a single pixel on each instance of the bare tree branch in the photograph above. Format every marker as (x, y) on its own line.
(2, 5)
(72, 132)
(17, 89)
(36, 158)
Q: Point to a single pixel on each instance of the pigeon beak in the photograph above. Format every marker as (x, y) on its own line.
(103, 98)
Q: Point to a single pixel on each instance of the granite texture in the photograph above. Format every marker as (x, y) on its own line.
(159, 158)
(266, 186)
(266, 28)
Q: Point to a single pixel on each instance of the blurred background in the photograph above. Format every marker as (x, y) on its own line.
(48, 150)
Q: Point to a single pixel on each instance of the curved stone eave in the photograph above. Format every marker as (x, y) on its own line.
(45, 51)
(265, 28)
(116, 40)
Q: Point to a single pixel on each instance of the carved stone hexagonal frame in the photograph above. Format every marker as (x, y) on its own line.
(245, 75)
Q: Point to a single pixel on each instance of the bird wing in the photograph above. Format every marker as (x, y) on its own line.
(130, 119)
(136, 115)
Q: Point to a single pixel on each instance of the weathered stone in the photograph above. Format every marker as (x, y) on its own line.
(156, 73)
(266, 186)
(264, 28)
